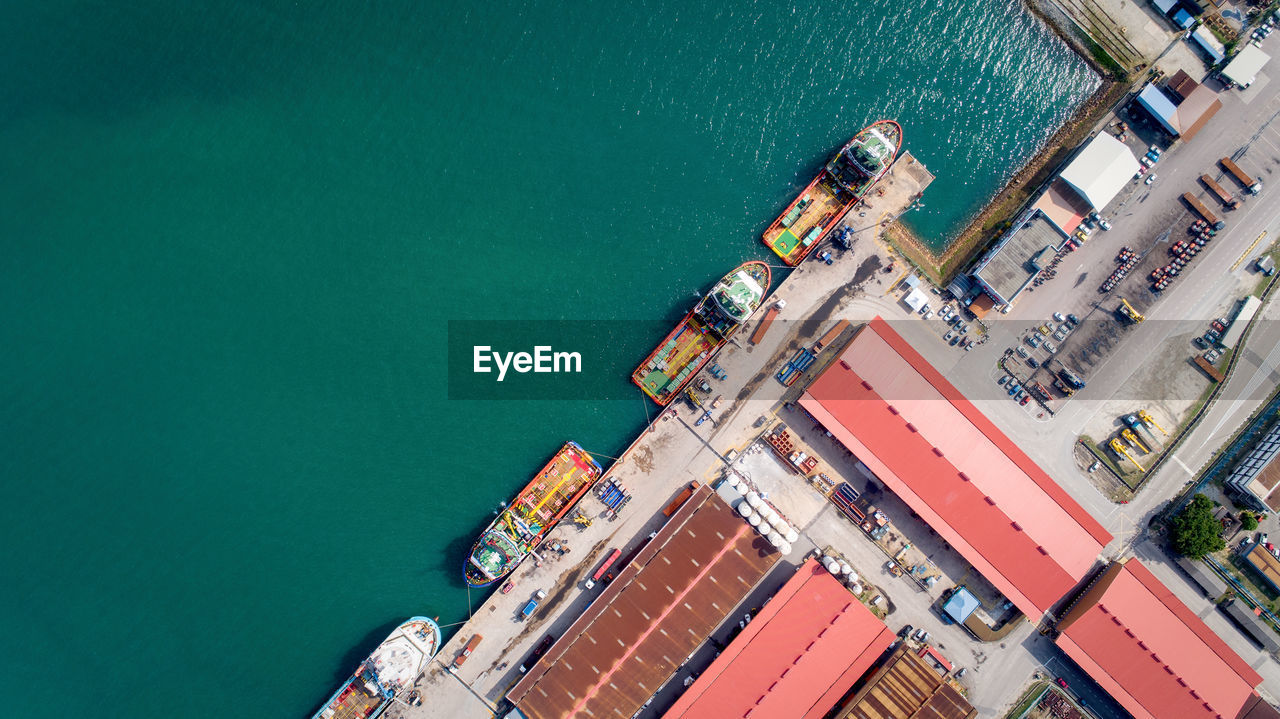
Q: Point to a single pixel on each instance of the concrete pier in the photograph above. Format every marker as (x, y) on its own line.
(669, 455)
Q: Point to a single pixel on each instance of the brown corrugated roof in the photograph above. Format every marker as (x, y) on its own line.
(1195, 111)
(1182, 84)
(661, 607)
(1266, 564)
(906, 686)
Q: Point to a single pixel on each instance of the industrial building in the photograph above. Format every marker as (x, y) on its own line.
(1210, 584)
(1181, 113)
(1102, 168)
(1245, 66)
(1252, 625)
(938, 453)
(1010, 265)
(1088, 183)
(797, 658)
(960, 605)
(1151, 653)
(1254, 478)
(1212, 48)
(658, 610)
(1265, 564)
(905, 685)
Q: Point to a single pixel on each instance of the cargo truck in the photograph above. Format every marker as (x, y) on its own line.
(1199, 208)
(1250, 184)
(1223, 196)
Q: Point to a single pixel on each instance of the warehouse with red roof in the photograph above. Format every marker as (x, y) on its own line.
(964, 477)
(1153, 654)
(804, 650)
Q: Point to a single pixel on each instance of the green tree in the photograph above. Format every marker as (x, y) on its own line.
(1195, 531)
(1248, 522)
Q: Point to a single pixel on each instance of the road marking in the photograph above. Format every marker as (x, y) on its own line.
(1183, 465)
(1248, 250)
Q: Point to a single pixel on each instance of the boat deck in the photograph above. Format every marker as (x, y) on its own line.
(789, 241)
(353, 702)
(677, 358)
(560, 483)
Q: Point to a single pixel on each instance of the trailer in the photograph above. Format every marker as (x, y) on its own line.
(1209, 369)
(608, 562)
(1223, 196)
(763, 327)
(1250, 184)
(1198, 207)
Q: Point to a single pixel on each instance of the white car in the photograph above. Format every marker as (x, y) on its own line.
(1059, 317)
(1022, 352)
(1050, 347)
(1151, 178)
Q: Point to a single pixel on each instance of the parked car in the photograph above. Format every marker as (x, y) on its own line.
(1061, 334)
(1150, 179)
(1199, 342)
(1023, 353)
(1073, 320)
(1044, 329)
(1003, 378)
(1032, 363)
(947, 337)
(906, 631)
(1057, 316)
(954, 340)
(1024, 400)
(1061, 682)
(1104, 223)
(1033, 341)
(1050, 347)
(927, 313)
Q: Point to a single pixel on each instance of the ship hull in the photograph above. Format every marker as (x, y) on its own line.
(536, 510)
(824, 202)
(690, 346)
(375, 683)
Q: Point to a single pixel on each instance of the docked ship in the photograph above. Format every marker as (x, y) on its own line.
(845, 180)
(523, 523)
(702, 332)
(389, 672)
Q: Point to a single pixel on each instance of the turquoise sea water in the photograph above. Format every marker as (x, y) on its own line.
(234, 234)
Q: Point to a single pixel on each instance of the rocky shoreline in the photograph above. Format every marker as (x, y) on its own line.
(994, 217)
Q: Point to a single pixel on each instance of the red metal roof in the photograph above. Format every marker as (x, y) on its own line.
(804, 650)
(662, 605)
(1152, 654)
(954, 468)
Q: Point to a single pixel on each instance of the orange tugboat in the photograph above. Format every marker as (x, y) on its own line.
(702, 332)
(847, 178)
(534, 512)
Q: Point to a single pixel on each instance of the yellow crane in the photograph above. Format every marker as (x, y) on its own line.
(1128, 311)
(1145, 416)
(1118, 447)
(1133, 440)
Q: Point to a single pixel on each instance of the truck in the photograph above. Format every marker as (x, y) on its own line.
(1198, 207)
(769, 316)
(608, 562)
(532, 605)
(1248, 183)
(466, 651)
(1071, 378)
(1209, 369)
(1040, 391)
(1223, 196)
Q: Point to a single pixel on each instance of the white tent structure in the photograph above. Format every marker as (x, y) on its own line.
(1101, 170)
(1244, 68)
(916, 299)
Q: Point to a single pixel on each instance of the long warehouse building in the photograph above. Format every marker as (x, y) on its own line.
(659, 609)
(948, 462)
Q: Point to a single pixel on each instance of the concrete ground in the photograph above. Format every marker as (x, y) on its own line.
(854, 287)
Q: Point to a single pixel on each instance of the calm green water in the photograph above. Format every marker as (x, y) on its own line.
(234, 233)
